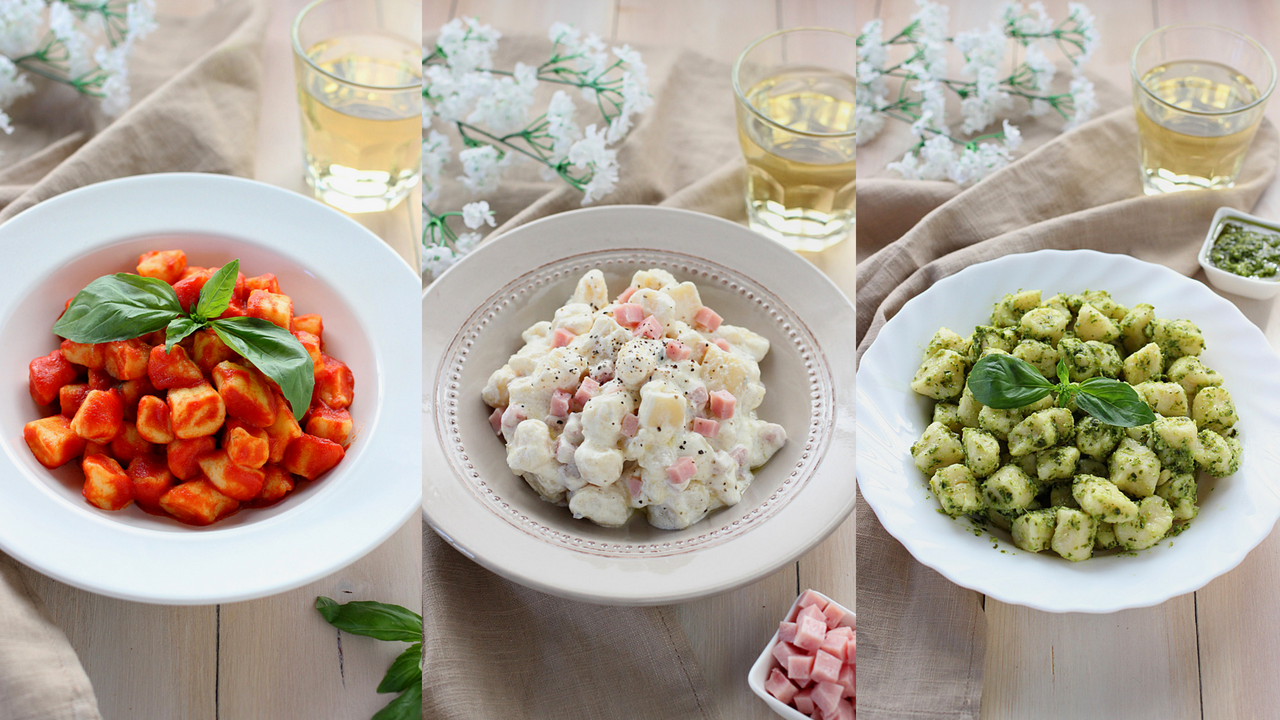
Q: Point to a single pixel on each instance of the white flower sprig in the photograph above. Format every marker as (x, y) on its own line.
(490, 111)
(85, 44)
(984, 91)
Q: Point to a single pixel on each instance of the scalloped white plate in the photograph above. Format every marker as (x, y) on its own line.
(472, 320)
(1236, 512)
(329, 265)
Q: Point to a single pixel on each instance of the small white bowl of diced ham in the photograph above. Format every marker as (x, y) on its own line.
(809, 667)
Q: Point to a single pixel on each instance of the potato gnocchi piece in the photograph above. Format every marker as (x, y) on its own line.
(1033, 531)
(1214, 410)
(1166, 398)
(981, 451)
(956, 490)
(1102, 499)
(1073, 534)
(1155, 519)
(1009, 488)
(937, 448)
(941, 376)
(1145, 364)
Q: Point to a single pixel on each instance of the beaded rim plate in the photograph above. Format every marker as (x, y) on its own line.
(1236, 512)
(475, 502)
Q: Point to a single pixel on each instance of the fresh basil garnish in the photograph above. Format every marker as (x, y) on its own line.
(118, 307)
(274, 351)
(1003, 382)
(179, 329)
(216, 294)
(386, 622)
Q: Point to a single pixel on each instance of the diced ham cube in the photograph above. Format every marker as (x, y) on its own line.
(804, 701)
(785, 650)
(826, 667)
(722, 344)
(698, 397)
(826, 696)
(52, 441)
(780, 687)
(587, 390)
(810, 633)
(106, 485)
(651, 328)
(628, 315)
(561, 337)
(848, 680)
(678, 351)
(495, 421)
(722, 404)
(812, 611)
(707, 319)
(560, 404)
(630, 424)
(834, 645)
(626, 294)
(705, 427)
(634, 487)
(851, 651)
(47, 375)
(834, 615)
(787, 631)
(800, 668)
(680, 473)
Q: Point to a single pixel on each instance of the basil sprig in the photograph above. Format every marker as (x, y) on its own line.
(386, 622)
(124, 307)
(1003, 382)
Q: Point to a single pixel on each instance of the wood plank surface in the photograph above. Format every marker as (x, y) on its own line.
(1211, 654)
(728, 631)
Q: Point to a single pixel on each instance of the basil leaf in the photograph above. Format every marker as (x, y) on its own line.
(178, 329)
(406, 707)
(372, 619)
(216, 294)
(1063, 376)
(1003, 381)
(118, 307)
(404, 672)
(1114, 403)
(274, 351)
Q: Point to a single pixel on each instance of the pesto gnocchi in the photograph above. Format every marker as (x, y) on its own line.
(1056, 478)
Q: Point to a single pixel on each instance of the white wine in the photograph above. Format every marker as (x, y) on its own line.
(1199, 142)
(362, 134)
(801, 166)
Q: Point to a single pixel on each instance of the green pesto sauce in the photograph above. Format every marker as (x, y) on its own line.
(1246, 252)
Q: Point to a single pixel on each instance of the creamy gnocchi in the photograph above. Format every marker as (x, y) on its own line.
(1056, 478)
(643, 403)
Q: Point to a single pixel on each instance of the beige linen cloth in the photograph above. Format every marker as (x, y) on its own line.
(922, 639)
(496, 650)
(196, 86)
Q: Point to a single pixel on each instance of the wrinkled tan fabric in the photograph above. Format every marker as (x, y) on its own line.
(556, 659)
(196, 87)
(922, 639)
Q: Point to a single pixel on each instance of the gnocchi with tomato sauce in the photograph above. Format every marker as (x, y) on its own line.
(1056, 478)
(196, 433)
(644, 403)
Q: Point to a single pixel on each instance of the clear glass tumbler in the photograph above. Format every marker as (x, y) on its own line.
(1199, 92)
(359, 70)
(795, 109)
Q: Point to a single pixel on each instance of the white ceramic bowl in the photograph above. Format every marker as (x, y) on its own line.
(1236, 512)
(472, 320)
(329, 265)
(760, 669)
(1255, 288)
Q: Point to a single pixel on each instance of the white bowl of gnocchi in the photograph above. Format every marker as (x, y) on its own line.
(1042, 502)
(634, 405)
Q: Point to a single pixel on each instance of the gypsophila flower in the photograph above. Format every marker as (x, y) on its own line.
(477, 214)
(437, 258)
(987, 91)
(435, 153)
(20, 27)
(481, 168)
(503, 103)
(468, 45)
(12, 86)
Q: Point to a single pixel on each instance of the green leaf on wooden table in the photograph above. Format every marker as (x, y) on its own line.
(1114, 403)
(405, 672)
(406, 707)
(372, 619)
(1003, 381)
(179, 328)
(274, 351)
(216, 294)
(118, 307)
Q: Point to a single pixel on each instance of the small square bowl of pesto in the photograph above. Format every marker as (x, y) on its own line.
(1241, 254)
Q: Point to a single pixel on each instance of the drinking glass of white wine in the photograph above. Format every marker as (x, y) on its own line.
(359, 72)
(1199, 92)
(795, 108)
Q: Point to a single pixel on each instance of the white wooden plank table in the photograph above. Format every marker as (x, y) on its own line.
(269, 658)
(1207, 655)
(727, 631)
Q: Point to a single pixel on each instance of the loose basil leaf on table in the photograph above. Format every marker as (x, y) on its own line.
(274, 351)
(216, 294)
(1004, 382)
(372, 619)
(118, 307)
(407, 706)
(404, 672)
(1114, 403)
